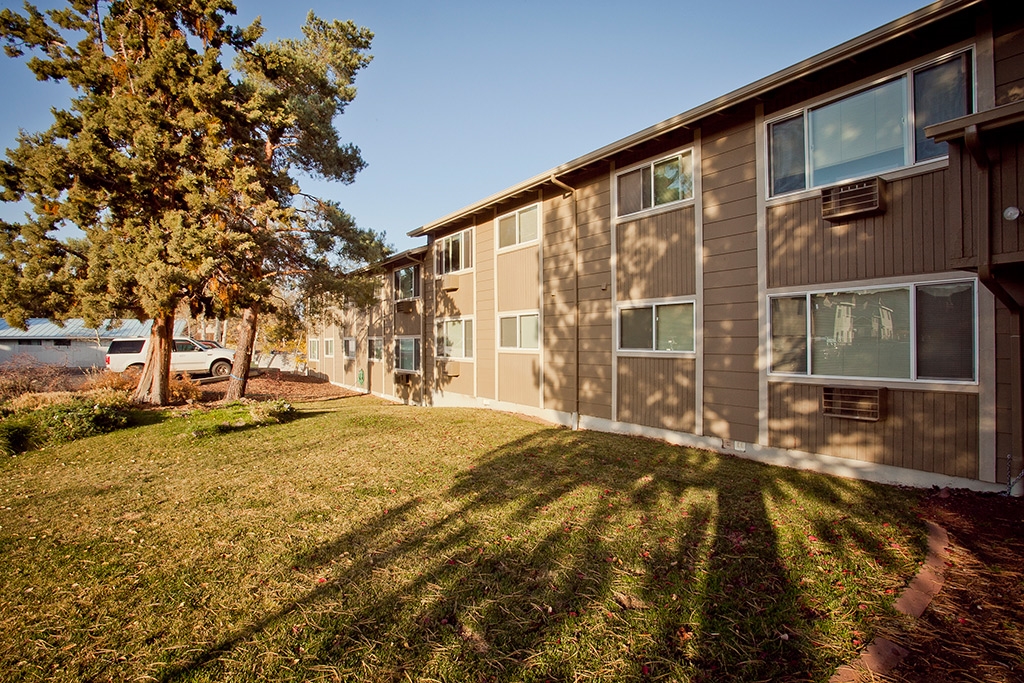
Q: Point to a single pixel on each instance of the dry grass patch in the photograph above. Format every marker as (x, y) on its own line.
(370, 541)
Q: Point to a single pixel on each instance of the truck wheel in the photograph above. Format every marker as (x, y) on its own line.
(221, 368)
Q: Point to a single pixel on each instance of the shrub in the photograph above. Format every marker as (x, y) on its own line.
(23, 373)
(270, 411)
(16, 434)
(79, 418)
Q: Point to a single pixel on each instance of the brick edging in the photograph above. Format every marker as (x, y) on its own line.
(881, 655)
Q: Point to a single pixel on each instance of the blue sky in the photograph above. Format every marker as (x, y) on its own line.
(464, 99)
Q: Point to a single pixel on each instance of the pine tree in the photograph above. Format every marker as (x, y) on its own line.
(177, 173)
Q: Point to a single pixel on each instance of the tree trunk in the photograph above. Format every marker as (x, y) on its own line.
(155, 381)
(243, 354)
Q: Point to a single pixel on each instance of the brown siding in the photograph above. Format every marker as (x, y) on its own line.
(656, 256)
(909, 238)
(486, 344)
(1004, 393)
(1008, 190)
(457, 302)
(518, 280)
(595, 307)
(519, 378)
(923, 430)
(657, 392)
(1008, 25)
(730, 283)
(408, 324)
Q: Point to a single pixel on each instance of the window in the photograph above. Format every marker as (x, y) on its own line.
(328, 348)
(520, 331)
(657, 327)
(62, 342)
(519, 227)
(871, 131)
(455, 338)
(314, 349)
(455, 252)
(407, 354)
(348, 347)
(662, 182)
(407, 283)
(30, 342)
(375, 348)
(915, 332)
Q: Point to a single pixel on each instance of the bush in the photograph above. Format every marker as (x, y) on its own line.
(23, 373)
(16, 435)
(80, 418)
(270, 411)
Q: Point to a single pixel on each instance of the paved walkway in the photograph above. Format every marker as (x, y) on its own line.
(881, 655)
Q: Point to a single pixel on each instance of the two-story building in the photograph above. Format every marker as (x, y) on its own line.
(822, 269)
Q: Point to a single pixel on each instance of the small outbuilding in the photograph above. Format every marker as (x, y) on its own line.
(72, 345)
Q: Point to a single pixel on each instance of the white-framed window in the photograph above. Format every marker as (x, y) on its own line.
(662, 326)
(871, 131)
(455, 338)
(375, 348)
(454, 252)
(407, 354)
(314, 349)
(519, 227)
(519, 331)
(915, 332)
(665, 181)
(329, 347)
(407, 283)
(349, 347)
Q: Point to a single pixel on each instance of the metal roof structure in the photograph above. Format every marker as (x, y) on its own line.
(41, 328)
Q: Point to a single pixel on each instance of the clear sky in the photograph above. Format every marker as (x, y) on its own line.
(466, 98)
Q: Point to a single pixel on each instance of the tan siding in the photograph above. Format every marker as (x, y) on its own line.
(656, 256)
(518, 284)
(730, 289)
(458, 302)
(908, 239)
(924, 430)
(463, 383)
(519, 378)
(408, 324)
(594, 259)
(375, 378)
(486, 336)
(657, 392)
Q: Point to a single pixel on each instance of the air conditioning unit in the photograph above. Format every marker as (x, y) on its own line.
(449, 283)
(449, 368)
(853, 403)
(853, 200)
(407, 306)
(403, 378)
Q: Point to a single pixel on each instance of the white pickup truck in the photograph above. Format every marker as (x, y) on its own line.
(187, 355)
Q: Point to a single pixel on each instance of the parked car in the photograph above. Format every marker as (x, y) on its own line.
(187, 355)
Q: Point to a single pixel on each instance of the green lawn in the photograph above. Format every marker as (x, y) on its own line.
(375, 542)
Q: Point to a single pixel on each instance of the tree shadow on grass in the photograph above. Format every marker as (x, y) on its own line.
(577, 554)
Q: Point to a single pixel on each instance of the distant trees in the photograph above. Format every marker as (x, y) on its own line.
(180, 173)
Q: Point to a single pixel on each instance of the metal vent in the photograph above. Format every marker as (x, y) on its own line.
(853, 403)
(863, 198)
(405, 306)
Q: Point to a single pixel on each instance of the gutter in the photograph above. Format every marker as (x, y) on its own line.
(840, 53)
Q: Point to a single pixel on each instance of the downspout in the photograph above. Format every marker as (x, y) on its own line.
(575, 298)
(978, 151)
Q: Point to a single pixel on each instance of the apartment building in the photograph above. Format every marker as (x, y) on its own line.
(823, 269)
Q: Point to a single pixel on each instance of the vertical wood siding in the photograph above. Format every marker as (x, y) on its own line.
(1008, 190)
(909, 238)
(595, 304)
(658, 392)
(519, 378)
(486, 333)
(518, 280)
(923, 430)
(656, 256)
(730, 283)
(558, 305)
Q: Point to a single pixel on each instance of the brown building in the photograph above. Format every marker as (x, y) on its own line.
(822, 269)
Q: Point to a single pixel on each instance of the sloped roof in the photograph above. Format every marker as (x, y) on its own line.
(41, 328)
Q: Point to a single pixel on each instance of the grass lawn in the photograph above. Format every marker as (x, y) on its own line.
(369, 541)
